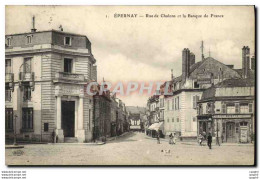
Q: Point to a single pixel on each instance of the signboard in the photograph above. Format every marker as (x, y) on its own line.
(233, 116)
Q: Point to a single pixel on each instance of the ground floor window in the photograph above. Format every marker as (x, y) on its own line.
(27, 118)
(9, 118)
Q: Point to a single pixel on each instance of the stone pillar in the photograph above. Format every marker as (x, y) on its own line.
(81, 130)
(59, 131)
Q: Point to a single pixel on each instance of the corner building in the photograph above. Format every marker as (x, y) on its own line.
(46, 72)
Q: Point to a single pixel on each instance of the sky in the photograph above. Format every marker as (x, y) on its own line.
(145, 49)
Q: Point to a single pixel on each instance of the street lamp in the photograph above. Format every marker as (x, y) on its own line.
(15, 117)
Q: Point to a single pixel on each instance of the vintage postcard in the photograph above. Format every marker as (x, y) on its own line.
(130, 85)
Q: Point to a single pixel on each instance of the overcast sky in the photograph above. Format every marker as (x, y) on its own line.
(144, 49)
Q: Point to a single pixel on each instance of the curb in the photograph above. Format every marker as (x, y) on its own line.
(14, 147)
(99, 143)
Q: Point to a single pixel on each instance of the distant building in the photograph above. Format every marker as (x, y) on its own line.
(136, 117)
(44, 85)
(226, 110)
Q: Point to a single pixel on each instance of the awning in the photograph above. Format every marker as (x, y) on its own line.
(156, 126)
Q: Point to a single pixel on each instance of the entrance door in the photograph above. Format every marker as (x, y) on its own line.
(68, 118)
(231, 132)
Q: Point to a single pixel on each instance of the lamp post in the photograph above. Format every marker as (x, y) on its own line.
(15, 117)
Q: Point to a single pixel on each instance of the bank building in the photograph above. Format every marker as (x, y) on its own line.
(45, 75)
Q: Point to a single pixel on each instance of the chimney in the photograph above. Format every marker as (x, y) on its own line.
(185, 63)
(245, 61)
(33, 25)
(230, 66)
(192, 59)
(253, 63)
(172, 74)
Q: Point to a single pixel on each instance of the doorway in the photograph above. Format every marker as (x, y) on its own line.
(230, 128)
(68, 118)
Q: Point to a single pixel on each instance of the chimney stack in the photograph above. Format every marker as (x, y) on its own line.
(185, 63)
(253, 63)
(245, 61)
(192, 59)
(33, 24)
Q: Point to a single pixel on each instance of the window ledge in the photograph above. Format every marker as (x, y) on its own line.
(27, 130)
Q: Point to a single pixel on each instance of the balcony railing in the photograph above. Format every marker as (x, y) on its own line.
(26, 76)
(69, 76)
(9, 77)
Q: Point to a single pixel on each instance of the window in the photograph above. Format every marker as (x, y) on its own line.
(250, 105)
(8, 41)
(230, 109)
(172, 119)
(224, 108)
(27, 93)
(244, 108)
(243, 123)
(168, 105)
(172, 104)
(90, 71)
(67, 40)
(178, 103)
(27, 65)
(161, 103)
(29, 39)
(8, 92)
(8, 66)
(196, 85)
(195, 101)
(168, 120)
(46, 127)
(27, 118)
(178, 120)
(237, 108)
(194, 119)
(67, 65)
(9, 118)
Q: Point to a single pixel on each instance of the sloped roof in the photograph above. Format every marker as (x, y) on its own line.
(251, 73)
(229, 83)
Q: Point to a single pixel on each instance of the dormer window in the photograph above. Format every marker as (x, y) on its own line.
(8, 41)
(29, 39)
(67, 41)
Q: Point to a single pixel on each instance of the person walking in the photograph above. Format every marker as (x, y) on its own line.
(171, 139)
(174, 138)
(200, 139)
(209, 140)
(158, 138)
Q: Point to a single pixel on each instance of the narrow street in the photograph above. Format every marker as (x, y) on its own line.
(131, 149)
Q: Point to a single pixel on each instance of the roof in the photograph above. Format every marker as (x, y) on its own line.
(52, 30)
(135, 109)
(251, 73)
(229, 83)
(236, 83)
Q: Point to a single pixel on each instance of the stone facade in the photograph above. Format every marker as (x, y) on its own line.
(44, 71)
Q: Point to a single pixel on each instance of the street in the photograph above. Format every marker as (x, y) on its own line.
(132, 149)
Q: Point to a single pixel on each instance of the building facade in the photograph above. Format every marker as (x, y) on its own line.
(46, 72)
(226, 110)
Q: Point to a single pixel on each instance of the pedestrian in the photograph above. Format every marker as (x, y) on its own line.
(53, 136)
(209, 140)
(174, 138)
(158, 138)
(222, 138)
(171, 139)
(200, 139)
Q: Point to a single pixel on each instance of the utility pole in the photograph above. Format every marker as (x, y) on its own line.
(202, 48)
(14, 122)
(217, 141)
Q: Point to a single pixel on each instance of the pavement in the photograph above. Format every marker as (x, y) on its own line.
(131, 149)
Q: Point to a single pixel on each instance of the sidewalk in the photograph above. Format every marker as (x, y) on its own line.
(196, 143)
(115, 137)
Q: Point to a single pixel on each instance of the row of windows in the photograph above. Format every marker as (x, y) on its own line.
(26, 89)
(27, 118)
(177, 120)
(173, 104)
(29, 38)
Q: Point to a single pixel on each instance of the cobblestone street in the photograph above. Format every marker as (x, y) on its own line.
(131, 149)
